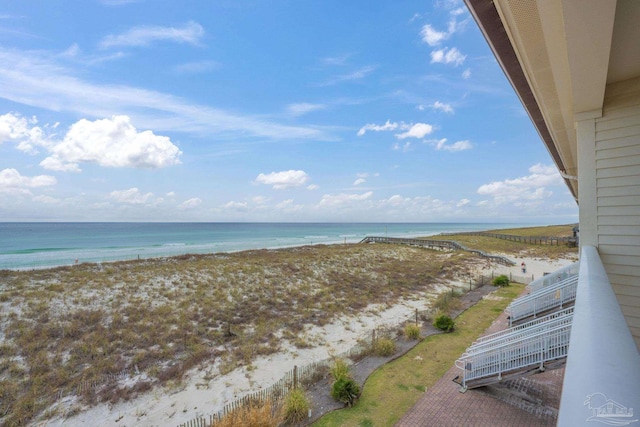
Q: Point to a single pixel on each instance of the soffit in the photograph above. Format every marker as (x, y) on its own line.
(624, 61)
(536, 31)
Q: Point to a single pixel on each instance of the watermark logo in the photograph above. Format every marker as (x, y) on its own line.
(608, 411)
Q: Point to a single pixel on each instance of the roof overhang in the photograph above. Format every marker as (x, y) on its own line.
(559, 57)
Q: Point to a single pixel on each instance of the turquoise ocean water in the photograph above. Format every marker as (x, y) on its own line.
(28, 245)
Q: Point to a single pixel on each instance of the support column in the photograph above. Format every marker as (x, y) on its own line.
(587, 191)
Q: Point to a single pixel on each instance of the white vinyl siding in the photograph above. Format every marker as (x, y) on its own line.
(618, 196)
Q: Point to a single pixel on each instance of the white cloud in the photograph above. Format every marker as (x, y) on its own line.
(16, 128)
(12, 182)
(312, 187)
(285, 204)
(377, 128)
(359, 181)
(260, 200)
(526, 188)
(358, 74)
(448, 56)
(24, 73)
(447, 108)
(190, 33)
(463, 202)
(441, 144)
(237, 206)
(303, 108)
(336, 60)
(418, 130)
(284, 179)
(46, 200)
(402, 147)
(113, 142)
(466, 73)
(190, 204)
(132, 196)
(433, 37)
(344, 198)
(56, 164)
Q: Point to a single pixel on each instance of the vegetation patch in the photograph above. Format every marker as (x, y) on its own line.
(296, 406)
(419, 369)
(412, 331)
(384, 347)
(501, 280)
(444, 323)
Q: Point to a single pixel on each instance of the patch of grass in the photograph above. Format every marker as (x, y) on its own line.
(339, 369)
(494, 245)
(412, 331)
(419, 368)
(296, 406)
(384, 347)
(258, 414)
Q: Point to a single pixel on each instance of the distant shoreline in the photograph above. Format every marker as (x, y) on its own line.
(31, 245)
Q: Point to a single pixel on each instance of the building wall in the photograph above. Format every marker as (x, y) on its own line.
(617, 195)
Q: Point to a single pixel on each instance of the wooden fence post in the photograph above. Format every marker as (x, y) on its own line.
(295, 377)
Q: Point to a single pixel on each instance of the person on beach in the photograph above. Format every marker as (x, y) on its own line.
(524, 267)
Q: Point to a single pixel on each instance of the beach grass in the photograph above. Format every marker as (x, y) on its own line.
(395, 387)
(76, 330)
(518, 249)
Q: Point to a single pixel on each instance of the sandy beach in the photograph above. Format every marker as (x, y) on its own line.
(215, 381)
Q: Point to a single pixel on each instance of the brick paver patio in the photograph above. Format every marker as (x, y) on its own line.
(528, 401)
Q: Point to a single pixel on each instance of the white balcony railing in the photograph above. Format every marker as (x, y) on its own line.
(536, 321)
(548, 298)
(602, 375)
(520, 355)
(555, 277)
(564, 317)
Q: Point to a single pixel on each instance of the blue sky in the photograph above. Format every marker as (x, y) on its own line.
(256, 110)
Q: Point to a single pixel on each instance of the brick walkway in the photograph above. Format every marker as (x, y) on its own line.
(528, 401)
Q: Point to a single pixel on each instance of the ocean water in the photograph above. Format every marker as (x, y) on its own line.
(32, 245)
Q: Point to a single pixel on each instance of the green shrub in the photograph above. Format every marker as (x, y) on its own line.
(412, 331)
(296, 406)
(340, 369)
(345, 390)
(384, 347)
(501, 280)
(444, 322)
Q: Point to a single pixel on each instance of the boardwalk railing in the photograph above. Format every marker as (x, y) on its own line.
(543, 300)
(515, 334)
(440, 244)
(555, 277)
(516, 357)
(534, 322)
(534, 240)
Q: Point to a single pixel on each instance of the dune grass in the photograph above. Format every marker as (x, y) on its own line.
(517, 249)
(395, 387)
(66, 329)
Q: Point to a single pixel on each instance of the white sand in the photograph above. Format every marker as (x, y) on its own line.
(204, 392)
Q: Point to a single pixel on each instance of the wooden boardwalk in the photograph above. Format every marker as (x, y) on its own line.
(436, 244)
